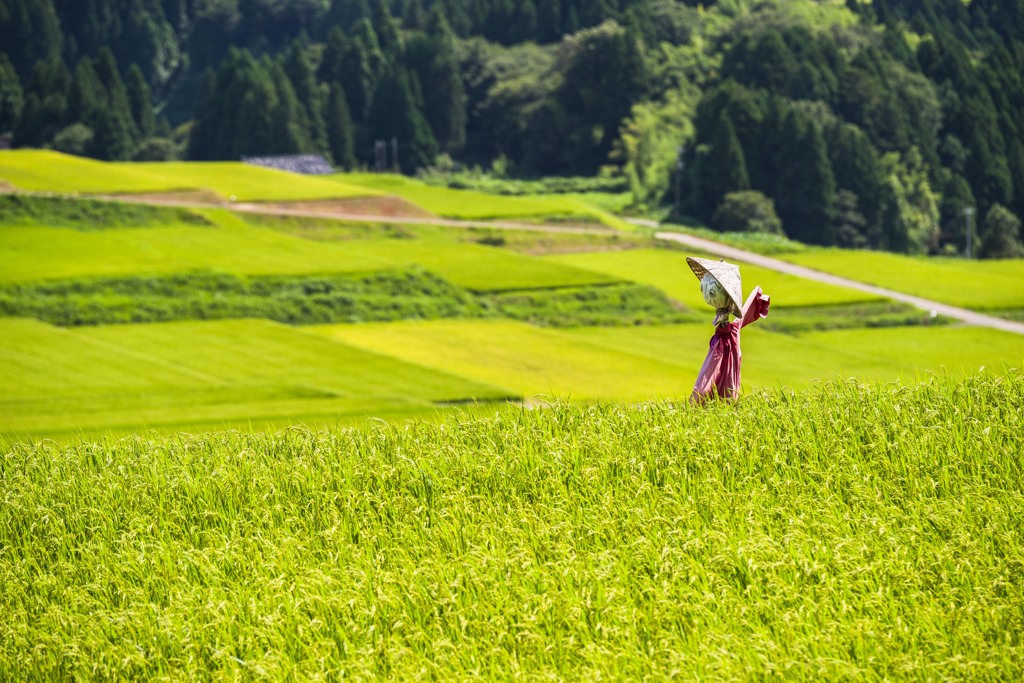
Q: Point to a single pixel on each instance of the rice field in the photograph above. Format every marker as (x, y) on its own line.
(854, 531)
(667, 270)
(234, 245)
(47, 171)
(978, 285)
(188, 375)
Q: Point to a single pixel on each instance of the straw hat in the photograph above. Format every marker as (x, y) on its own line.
(727, 274)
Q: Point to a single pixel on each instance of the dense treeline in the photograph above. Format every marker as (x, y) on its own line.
(874, 124)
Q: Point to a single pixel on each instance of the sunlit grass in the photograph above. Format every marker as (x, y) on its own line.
(849, 532)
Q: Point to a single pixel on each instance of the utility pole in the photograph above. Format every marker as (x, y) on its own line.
(968, 215)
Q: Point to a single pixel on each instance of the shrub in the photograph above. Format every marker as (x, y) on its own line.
(747, 211)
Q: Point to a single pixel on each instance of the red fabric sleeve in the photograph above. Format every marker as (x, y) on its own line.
(755, 307)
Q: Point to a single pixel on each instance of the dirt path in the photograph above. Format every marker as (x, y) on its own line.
(963, 314)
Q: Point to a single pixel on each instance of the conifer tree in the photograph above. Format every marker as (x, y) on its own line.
(394, 115)
(443, 93)
(807, 189)
(300, 73)
(11, 94)
(339, 129)
(726, 169)
(140, 101)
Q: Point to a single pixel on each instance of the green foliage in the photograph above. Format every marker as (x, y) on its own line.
(910, 222)
(11, 95)
(1001, 235)
(394, 115)
(209, 296)
(625, 304)
(748, 211)
(90, 214)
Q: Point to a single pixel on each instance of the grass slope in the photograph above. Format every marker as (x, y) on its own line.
(199, 373)
(667, 270)
(852, 532)
(979, 285)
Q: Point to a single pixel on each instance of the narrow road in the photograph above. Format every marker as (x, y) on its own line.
(963, 314)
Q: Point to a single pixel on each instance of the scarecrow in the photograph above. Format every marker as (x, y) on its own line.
(720, 285)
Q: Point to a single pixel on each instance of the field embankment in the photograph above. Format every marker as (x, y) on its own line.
(849, 531)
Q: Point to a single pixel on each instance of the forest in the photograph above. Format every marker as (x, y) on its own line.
(887, 125)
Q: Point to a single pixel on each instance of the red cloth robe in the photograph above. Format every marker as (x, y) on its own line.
(720, 374)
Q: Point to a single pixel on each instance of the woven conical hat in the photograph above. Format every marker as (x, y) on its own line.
(727, 274)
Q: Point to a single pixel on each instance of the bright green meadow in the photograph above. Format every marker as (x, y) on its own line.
(851, 532)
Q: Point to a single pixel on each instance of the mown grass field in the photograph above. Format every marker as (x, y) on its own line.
(978, 285)
(242, 373)
(866, 532)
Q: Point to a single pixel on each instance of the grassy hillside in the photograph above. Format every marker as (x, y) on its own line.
(849, 532)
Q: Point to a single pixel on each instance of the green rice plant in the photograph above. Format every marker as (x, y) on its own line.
(853, 531)
(667, 270)
(979, 285)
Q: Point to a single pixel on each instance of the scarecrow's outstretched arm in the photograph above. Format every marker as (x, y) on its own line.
(755, 307)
